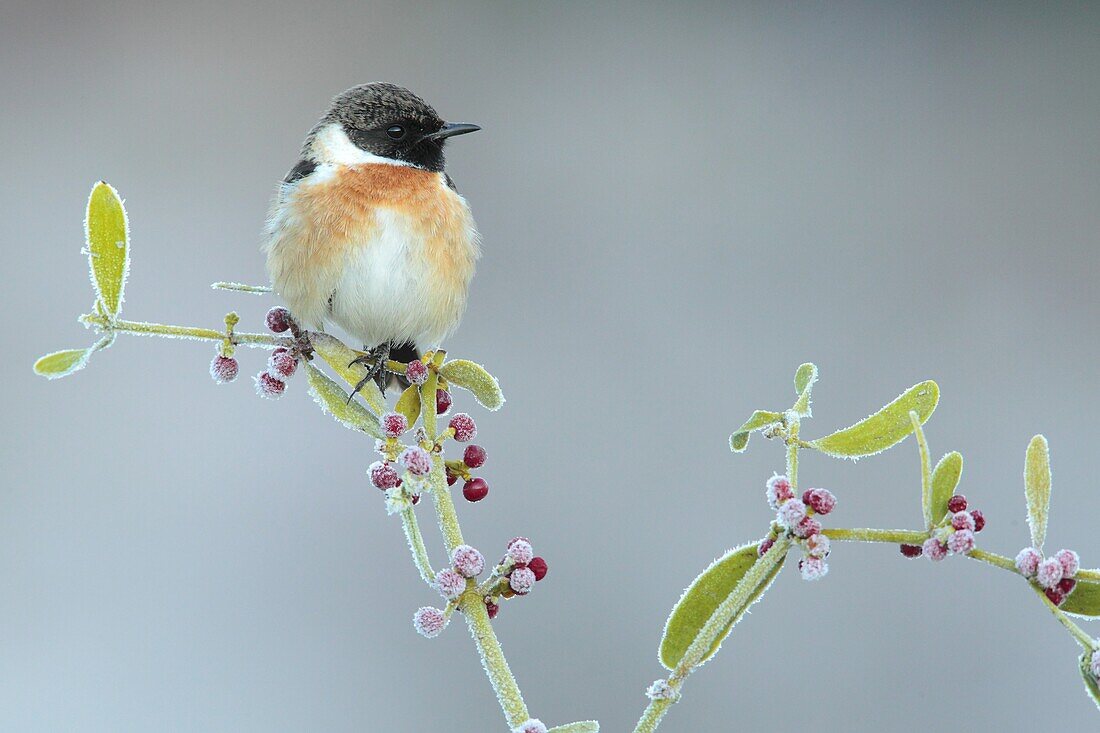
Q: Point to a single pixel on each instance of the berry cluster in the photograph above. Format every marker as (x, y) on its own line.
(954, 535)
(281, 365)
(473, 488)
(796, 517)
(452, 582)
(1055, 575)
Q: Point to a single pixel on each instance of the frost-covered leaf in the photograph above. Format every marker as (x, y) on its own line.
(409, 403)
(1084, 600)
(107, 238)
(758, 421)
(1037, 488)
(1086, 674)
(703, 597)
(584, 726)
(62, 363)
(884, 429)
(339, 356)
(945, 479)
(334, 400)
(471, 376)
(804, 379)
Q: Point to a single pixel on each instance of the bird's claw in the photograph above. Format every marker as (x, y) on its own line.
(375, 361)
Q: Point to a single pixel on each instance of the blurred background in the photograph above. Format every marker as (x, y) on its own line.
(680, 202)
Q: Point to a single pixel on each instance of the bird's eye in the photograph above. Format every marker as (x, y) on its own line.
(396, 132)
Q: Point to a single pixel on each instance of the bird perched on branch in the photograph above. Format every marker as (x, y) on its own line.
(367, 231)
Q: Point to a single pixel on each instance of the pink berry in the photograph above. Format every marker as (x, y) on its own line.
(979, 519)
(962, 520)
(912, 551)
(450, 584)
(429, 621)
(821, 501)
(531, 725)
(1048, 573)
(778, 491)
(517, 539)
(224, 369)
(790, 513)
(1027, 561)
(764, 546)
(491, 608)
(416, 372)
(442, 401)
(956, 503)
(474, 456)
(282, 365)
(394, 424)
(808, 527)
(961, 541)
(383, 475)
(278, 319)
(1056, 596)
(475, 489)
(464, 427)
(1094, 663)
(813, 568)
(934, 550)
(416, 460)
(268, 386)
(817, 545)
(520, 552)
(521, 580)
(1070, 562)
(467, 561)
(539, 567)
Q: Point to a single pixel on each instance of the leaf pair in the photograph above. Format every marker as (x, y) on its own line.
(107, 242)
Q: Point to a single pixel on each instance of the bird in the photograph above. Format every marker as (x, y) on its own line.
(368, 231)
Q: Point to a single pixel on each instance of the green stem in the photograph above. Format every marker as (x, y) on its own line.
(925, 470)
(1075, 631)
(713, 629)
(416, 545)
(261, 340)
(893, 536)
(793, 445)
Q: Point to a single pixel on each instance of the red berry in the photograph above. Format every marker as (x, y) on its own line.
(821, 501)
(451, 478)
(464, 427)
(1056, 596)
(393, 424)
(415, 499)
(281, 365)
(492, 608)
(1066, 585)
(474, 456)
(912, 550)
(278, 319)
(269, 387)
(475, 489)
(416, 372)
(956, 503)
(979, 520)
(224, 369)
(442, 401)
(383, 475)
(539, 567)
(765, 545)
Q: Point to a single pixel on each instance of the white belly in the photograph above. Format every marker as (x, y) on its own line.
(385, 291)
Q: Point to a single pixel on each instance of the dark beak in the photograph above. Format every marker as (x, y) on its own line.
(451, 129)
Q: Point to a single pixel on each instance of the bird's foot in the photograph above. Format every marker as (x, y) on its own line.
(375, 361)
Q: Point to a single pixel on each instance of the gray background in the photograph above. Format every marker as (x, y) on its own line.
(680, 203)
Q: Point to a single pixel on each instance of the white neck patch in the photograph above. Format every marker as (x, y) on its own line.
(332, 146)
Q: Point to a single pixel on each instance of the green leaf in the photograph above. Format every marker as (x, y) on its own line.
(471, 376)
(925, 467)
(339, 356)
(62, 363)
(758, 421)
(107, 238)
(804, 379)
(1037, 488)
(585, 726)
(886, 428)
(1086, 674)
(703, 596)
(409, 404)
(1084, 600)
(945, 479)
(334, 400)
